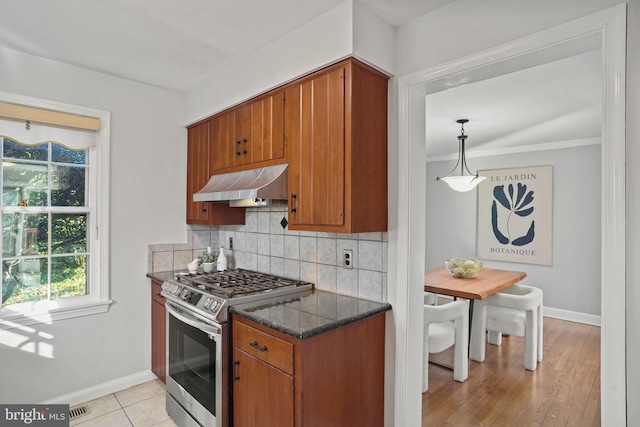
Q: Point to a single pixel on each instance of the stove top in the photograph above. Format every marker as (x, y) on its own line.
(237, 283)
(210, 294)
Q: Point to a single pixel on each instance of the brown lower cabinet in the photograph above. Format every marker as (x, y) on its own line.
(333, 379)
(158, 332)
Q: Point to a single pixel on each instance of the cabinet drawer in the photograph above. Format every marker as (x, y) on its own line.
(156, 288)
(268, 348)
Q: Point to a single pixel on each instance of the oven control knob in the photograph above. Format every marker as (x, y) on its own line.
(207, 302)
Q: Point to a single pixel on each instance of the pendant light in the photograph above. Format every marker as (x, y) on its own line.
(462, 182)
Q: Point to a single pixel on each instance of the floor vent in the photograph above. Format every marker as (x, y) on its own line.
(78, 411)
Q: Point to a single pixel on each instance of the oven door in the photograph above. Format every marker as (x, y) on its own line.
(194, 376)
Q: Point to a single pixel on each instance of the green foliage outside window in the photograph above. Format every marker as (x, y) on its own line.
(45, 254)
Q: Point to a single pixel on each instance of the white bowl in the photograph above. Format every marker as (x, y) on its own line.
(464, 268)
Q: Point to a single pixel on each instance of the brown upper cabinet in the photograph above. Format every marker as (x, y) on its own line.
(336, 134)
(329, 126)
(198, 174)
(248, 135)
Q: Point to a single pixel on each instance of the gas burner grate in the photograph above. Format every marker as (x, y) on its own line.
(237, 283)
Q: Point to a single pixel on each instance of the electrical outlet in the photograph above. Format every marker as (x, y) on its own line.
(230, 243)
(347, 258)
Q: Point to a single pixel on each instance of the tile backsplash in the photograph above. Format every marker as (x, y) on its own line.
(264, 245)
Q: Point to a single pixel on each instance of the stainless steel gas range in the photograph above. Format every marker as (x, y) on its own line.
(198, 341)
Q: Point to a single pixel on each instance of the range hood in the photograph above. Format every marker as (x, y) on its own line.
(253, 187)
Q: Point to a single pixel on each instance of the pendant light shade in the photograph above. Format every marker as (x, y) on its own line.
(462, 182)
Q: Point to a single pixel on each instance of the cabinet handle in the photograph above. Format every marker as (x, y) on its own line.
(204, 209)
(257, 346)
(293, 199)
(244, 146)
(238, 148)
(235, 370)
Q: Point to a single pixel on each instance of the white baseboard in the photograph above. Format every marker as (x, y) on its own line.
(104, 389)
(572, 316)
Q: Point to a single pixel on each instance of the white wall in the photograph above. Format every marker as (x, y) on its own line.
(148, 159)
(451, 225)
(324, 40)
(465, 27)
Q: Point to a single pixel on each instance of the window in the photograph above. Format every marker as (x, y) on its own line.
(52, 251)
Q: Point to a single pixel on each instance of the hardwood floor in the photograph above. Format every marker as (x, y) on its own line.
(564, 390)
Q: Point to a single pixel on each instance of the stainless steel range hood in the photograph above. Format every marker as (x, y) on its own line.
(253, 187)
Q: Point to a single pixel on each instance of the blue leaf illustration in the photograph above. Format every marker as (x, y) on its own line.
(527, 238)
(524, 212)
(528, 199)
(498, 193)
(521, 190)
(494, 222)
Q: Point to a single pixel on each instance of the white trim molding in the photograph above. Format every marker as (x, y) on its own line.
(103, 389)
(518, 150)
(97, 300)
(610, 26)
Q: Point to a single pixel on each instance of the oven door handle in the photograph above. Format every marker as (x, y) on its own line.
(192, 320)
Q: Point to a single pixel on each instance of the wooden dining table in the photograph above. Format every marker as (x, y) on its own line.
(487, 282)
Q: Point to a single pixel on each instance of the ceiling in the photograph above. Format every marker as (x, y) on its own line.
(175, 44)
(168, 43)
(558, 101)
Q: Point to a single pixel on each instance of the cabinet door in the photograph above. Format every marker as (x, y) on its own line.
(197, 171)
(259, 130)
(222, 146)
(262, 394)
(158, 333)
(267, 128)
(315, 117)
(198, 174)
(243, 139)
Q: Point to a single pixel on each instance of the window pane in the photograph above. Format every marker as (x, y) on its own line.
(24, 234)
(62, 154)
(68, 233)
(67, 186)
(25, 183)
(24, 280)
(68, 276)
(14, 150)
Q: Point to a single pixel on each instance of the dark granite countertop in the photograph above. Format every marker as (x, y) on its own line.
(303, 315)
(310, 313)
(163, 275)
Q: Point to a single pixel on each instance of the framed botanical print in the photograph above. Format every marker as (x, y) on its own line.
(515, 215)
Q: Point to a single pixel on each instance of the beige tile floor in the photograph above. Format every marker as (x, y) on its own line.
(139, 406)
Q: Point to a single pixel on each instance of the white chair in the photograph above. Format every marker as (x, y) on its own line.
(444, 326)
(517, 311)
(430, 298)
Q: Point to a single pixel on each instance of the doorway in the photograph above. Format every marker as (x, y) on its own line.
(609, 28)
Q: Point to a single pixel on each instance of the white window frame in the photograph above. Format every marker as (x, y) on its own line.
(97, 299)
